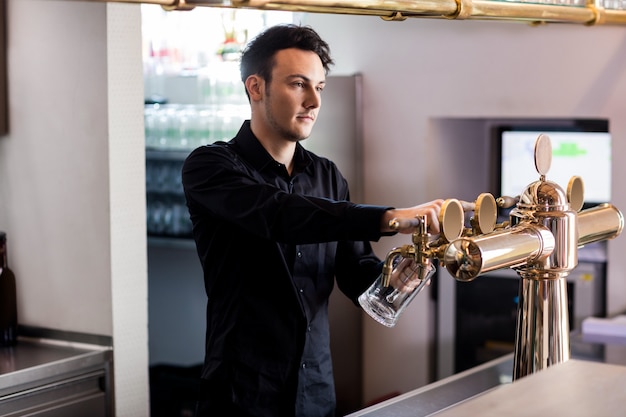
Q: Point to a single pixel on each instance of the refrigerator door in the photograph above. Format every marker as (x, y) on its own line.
(337, 135)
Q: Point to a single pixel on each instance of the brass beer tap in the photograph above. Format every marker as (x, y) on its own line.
(540, 242)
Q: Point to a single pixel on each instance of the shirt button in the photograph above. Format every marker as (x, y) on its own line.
(301, 290)
(308, 329)
(299, 254)
(303, 365)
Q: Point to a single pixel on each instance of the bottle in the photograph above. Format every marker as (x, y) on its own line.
(8, 295)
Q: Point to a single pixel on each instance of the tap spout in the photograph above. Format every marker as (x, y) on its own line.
(405, 251)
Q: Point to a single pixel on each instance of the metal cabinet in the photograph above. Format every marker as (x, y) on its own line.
(84, 395)
(56, 378)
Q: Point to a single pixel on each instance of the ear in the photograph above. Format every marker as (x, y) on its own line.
(254, 85)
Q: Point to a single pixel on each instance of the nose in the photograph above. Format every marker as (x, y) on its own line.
(313, 99)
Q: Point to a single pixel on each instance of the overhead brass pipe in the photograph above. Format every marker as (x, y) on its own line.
(180, 5)
(531, 12)
(588, 15)
(440, 8)
(450, 9)
(168, 5)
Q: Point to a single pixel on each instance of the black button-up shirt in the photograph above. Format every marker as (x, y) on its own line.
(271, 246)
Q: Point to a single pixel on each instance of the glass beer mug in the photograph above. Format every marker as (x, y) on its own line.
(385, 304)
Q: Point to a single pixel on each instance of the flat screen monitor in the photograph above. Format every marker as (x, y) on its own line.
(586, 154)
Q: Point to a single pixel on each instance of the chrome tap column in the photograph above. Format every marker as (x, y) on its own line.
(542, 336)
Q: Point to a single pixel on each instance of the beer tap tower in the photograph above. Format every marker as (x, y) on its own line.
(540, 242)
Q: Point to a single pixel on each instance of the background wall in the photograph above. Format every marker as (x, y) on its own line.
(54, 164)
(72, 181)
(418, 71)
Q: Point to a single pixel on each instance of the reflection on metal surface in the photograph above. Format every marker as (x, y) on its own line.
(466, 258)
(542, 337)
(599, 223)
(540, 241)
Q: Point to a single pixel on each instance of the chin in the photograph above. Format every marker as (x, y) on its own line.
(300, 135)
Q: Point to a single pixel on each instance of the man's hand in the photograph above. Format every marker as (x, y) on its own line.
(431, 210)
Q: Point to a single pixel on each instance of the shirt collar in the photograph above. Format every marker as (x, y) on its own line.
(252, 151)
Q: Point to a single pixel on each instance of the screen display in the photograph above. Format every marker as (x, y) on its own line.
(580, 153)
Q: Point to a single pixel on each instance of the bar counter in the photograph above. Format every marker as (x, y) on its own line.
(591, 383)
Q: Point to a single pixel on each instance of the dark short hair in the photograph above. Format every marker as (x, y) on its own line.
(258, 55)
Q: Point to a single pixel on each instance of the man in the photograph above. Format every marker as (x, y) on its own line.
(273, 227)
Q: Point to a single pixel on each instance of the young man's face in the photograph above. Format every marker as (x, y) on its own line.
(292, 99)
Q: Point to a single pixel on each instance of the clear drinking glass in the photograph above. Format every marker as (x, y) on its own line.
(385, 304)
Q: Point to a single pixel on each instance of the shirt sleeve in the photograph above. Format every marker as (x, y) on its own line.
(356, 268)
(219, 185)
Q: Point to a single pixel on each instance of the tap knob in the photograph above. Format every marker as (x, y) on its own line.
(398, 224)
(506, 201)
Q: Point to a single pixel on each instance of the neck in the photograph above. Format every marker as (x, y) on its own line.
(280, 149)
(282, 152)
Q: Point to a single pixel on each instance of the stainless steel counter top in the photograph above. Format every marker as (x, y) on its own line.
(449, 391)
(468, 386)
(572, 388)
(36, 361)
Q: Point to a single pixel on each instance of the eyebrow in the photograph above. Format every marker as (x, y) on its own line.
(305, 78)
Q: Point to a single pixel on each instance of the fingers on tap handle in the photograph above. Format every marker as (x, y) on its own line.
(402, 224)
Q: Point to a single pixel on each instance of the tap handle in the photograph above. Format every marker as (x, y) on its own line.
(485, 214)
(398, 224)
(506, 201)
(451, 219)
